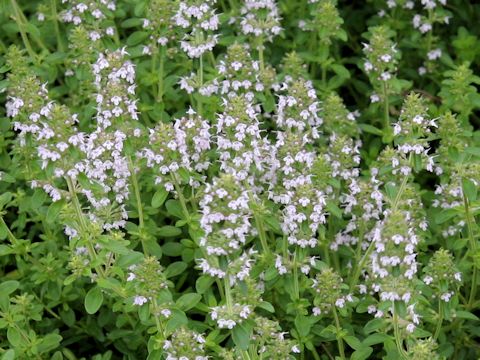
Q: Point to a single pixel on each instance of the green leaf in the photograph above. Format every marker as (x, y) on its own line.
(174, 208)
(38, 198)
(273, 224)
(130, 23)
(371, 129)
(136, 38)
(9, 355)
(49, 343)
(303, 325)
(353, 342)
(266, 306)
(340, 70)
(14, 337)
(375, 339)
(445, 215)
(8, 287)
(188, 301)
(469, 190)
(373, 325)
(334, 209)
(203, 283)
(466, 315)
(362, 353)
(133, 257)
(159, 197)
(175, 269)
(5, 198)
(172, 249)
(177, 319)
(473, 151)
(168, 231)
(116, 246)
(241, 334)
(93, 300)
(4, 249)
(54, 210)
(110, 284)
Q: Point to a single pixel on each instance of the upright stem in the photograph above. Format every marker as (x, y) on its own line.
(228, 294)
(262, 234)
(161, 74)
(83, 224)
(157, 320)
(23, 20)
(324, 75)
(473, 249)
(53, 5)
(295, 275)
(398, 337)
(153, 68)
(440, 320)
(200, 84)
(341, 347)
(23, 33)
(357, 266)
(386, 105)
(136, 190)
(361, 264)
(430, 33)
(260, 57)
(181, 198)
(10, 235)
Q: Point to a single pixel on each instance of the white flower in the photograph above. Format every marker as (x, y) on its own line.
(411, 328)
(139, 300)
(166, 313)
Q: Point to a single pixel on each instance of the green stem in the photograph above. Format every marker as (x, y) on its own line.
(473, 248)
(315, 354)
(200, 84)
(295, 276)
(83, 224)
(161, 74)
(53, 5)
(228, 294)
(23, 33)
(440, 320)
(402, 187)
(361, 264)
(23, 20)
(157, 320)
(358, 261)
(153, 68)
(386, 105)
(136, 190)
(398, 338)
(341, 347)
(260, 58)
(324, 76)
(181, 197)
(10, 235)
(262, 234)
(430, 33)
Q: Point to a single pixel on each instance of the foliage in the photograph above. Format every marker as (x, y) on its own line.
(239, 179)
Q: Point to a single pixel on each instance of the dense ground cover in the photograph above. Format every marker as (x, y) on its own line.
(239, 179)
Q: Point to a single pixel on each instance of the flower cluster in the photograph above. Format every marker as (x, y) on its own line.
(200, 20)
(261, 20)
(93, 15)
(185, 344)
